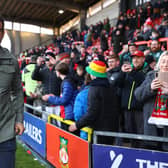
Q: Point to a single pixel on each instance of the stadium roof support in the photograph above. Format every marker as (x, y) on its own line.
(60, 4)
(43, 12)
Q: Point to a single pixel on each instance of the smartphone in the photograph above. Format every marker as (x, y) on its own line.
(126, 62)
(156, 74)
(163, 76)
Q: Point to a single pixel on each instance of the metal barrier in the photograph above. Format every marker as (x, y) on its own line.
(68, 122)
(149, 42)
(35, 109)
(128, 136)
(41, 136)
(101, 133)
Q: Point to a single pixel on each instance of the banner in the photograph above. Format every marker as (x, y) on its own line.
(35, 133)
(65, 150)
(120, 157)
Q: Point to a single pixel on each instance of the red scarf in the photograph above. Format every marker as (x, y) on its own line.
(160, 112)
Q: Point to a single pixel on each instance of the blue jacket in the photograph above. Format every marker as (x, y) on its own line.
(80, 107)
(68, 94)
(103, 107)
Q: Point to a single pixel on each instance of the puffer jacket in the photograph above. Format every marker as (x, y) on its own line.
(80, 107)
(81, 103)
(67, 98)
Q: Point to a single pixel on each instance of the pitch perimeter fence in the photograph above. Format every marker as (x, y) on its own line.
(63, 149)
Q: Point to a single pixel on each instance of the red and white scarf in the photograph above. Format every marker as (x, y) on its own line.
(160, 112)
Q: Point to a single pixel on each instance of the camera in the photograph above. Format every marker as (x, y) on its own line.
(47, 58)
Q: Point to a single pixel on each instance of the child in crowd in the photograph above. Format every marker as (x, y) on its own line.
(68, 94)
(81, 103)
(103, 106)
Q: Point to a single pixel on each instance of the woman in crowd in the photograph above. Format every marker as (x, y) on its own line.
(153, 92)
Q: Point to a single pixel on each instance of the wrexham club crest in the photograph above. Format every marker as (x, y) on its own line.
(63, 153)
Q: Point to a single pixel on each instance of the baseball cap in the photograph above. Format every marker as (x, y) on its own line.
(138, 53)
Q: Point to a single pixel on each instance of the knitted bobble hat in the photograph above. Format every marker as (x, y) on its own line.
(97, 69)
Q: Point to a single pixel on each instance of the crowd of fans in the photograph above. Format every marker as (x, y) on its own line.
(56, 80)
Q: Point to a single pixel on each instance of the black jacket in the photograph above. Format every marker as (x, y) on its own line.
(50, 82)
(128, 82)
(113, 74)
(103, 107)
(103, 42)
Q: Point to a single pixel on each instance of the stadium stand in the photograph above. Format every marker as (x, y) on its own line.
(130, 43)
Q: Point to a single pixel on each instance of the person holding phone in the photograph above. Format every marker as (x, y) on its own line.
(154, 98)
(131, 76)
(126, 55)
(51, 84)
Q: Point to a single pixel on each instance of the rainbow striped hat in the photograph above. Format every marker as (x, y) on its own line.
(97, 68)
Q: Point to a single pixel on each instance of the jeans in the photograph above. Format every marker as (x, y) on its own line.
(7, 153)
